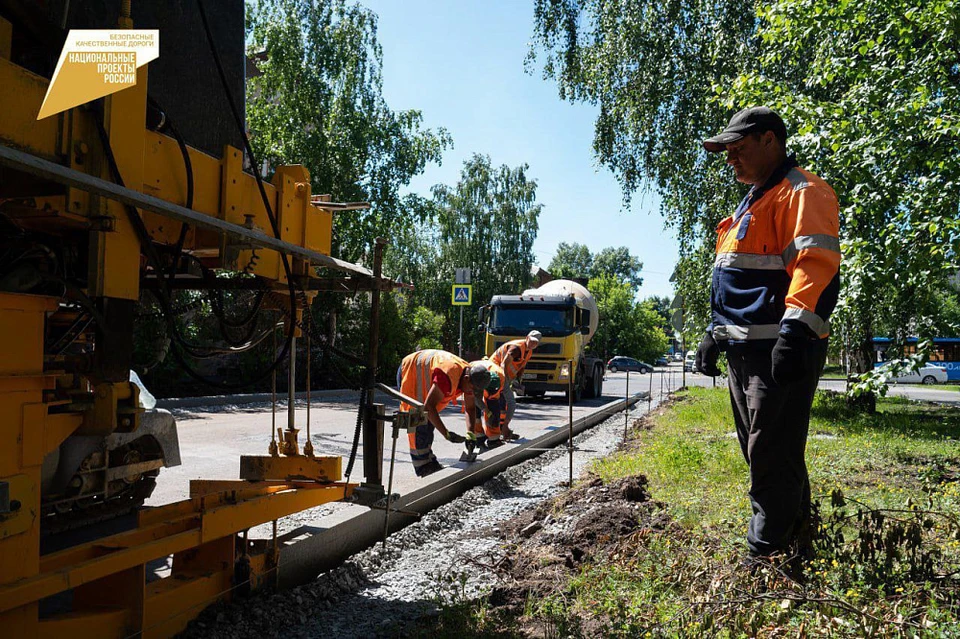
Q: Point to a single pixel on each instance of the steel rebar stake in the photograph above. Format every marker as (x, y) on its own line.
(274, 449)
(570, 426)
(626, 406)
(650, 391)
(308, 445)
(393, 458)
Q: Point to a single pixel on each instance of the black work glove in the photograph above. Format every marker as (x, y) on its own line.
(455, 438)
(789, 359)
(707, 355)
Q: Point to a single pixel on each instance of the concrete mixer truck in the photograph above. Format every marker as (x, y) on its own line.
(566, 314)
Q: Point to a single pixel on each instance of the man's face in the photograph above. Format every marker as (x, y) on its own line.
(753, 157)
(532, 344)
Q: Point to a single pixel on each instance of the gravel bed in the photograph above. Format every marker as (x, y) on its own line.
(450, 554)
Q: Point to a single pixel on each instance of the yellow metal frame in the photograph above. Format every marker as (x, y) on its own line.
(107, 578)
(200, 533)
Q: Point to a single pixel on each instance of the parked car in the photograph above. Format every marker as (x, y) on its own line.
(620, 363)
(689, 361)
(678, 357)
(661, 361)
(926, 374)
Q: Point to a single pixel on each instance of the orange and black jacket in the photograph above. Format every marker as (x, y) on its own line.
(778, 261)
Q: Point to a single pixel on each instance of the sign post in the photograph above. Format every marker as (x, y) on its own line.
(462, 295)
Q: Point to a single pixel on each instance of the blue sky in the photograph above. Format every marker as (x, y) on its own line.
(462, 64)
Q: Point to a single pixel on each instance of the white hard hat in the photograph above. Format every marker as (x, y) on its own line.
(534, 335)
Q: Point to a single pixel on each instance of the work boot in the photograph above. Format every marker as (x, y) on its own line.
(494, 442)
(429, 469)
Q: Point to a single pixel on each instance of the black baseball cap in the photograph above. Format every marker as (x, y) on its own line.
(753, 120)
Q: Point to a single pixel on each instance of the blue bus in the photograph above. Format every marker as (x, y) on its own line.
(945, 353)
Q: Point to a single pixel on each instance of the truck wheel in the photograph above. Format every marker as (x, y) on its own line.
(598, 382)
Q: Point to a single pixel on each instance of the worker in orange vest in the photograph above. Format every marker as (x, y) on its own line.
(512, 357)
(436, 378)
(486, 433)
(776, 281)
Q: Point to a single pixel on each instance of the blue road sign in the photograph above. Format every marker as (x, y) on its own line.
(462, 295)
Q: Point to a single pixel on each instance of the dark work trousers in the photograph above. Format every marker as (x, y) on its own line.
(772, 423)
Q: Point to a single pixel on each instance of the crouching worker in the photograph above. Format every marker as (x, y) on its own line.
(512, 357)
(436, 378)
(486, 434)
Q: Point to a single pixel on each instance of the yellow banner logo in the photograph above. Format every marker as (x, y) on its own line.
(98, 62)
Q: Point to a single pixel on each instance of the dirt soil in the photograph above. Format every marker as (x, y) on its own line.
(547, 545)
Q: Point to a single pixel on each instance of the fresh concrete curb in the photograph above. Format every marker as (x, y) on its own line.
(304, 555)
(251, 398)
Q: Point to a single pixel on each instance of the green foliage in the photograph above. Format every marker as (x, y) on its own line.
(318, 102)
(877, 113)
(571, 261)
(626, 327)
(576, 261)
(486, 222)
(870, 91)
(618, 262)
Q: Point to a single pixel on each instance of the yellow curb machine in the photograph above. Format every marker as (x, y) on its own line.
(97, 205)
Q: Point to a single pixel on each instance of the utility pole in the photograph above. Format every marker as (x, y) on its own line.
(462, 296)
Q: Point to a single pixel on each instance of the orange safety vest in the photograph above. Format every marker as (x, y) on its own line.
(511, 367)
(416, 375)
(494, 369)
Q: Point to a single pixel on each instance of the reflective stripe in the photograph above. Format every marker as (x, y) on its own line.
(801, 242)
(759, 331)
(811, 319)
(797, 179)
(749, 260)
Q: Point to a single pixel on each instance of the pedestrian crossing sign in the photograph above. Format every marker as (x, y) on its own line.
(462, 294)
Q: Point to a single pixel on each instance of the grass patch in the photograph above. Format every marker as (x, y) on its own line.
(888, 556)
(944, 387)
(834, 370)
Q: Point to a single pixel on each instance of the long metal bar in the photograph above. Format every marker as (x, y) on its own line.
(308, 444)
(292, 387)
(570, 431)
(392, 392)
(324, 284)
(372, 461)
(77, 179)
(393, 461)
(627, 410)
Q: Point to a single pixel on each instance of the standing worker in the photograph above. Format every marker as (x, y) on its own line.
(775, 283)
(436, 378)
(512, 357)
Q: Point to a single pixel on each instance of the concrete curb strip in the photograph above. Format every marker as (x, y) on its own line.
(305, 555)
(251, 398)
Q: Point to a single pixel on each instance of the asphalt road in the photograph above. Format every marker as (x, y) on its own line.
(213, 438)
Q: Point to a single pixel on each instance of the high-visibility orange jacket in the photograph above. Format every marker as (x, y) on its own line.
(416, 375)
(778, 260)
(512, 367)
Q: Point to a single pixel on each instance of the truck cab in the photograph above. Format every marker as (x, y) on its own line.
(565, 326)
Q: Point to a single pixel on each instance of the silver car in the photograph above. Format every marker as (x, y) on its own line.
(926, 374)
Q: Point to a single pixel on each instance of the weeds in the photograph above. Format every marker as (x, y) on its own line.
(887, 552)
